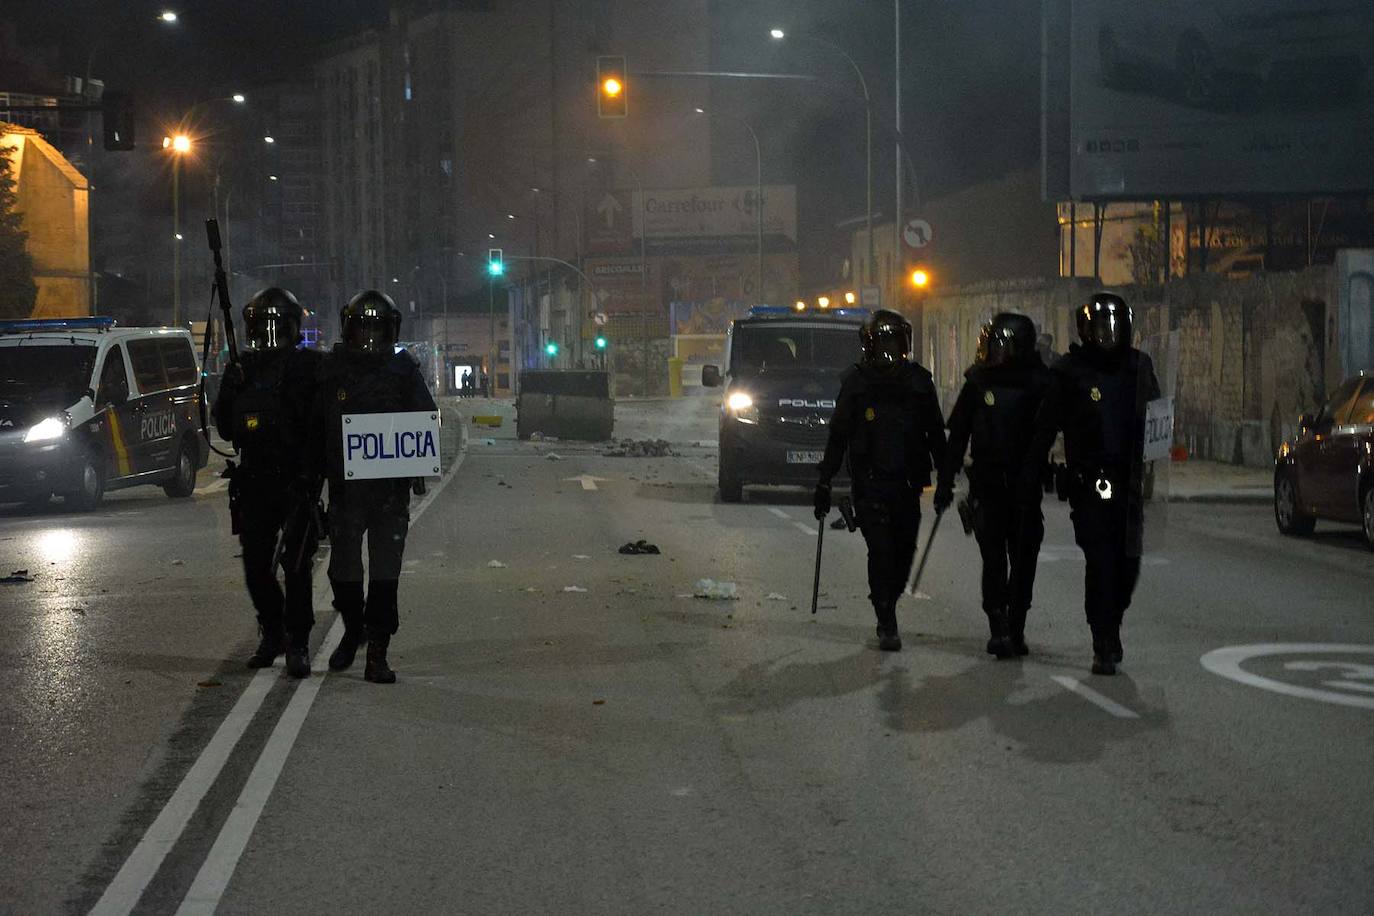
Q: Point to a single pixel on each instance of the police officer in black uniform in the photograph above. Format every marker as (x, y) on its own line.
(1098, 394)
(365, 374)
(887, 419)
(996, 410)
(262, 407)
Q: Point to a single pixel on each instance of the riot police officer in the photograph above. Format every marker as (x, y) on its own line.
(996, 409)
(1097, 395)
(887, 421)
(262, 408)
(366, 374)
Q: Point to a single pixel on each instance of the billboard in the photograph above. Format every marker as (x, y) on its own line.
(1207, 97)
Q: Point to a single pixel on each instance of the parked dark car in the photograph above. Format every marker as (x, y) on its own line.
(1327, 471)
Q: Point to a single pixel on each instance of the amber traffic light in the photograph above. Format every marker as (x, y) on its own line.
(611, 92)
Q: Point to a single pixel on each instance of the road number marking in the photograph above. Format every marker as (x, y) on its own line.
(1355, 686)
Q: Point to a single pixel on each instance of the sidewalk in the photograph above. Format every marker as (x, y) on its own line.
(1214, 482)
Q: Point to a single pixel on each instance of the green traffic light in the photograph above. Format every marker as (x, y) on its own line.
(601, 343)
(551, 348)
(495, 268)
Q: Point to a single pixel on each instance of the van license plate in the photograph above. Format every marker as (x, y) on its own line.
(805, 457)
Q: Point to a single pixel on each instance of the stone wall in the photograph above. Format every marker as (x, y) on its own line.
(1251, 354)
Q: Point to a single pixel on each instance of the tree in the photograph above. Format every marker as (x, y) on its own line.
(17, 289)
(1148, 251)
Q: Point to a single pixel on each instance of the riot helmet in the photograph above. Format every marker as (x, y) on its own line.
(272, 320)
(371, 322)
(886, 339)
(1104, 323)
(1009, 339)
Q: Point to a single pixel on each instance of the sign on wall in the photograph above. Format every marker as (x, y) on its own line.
(389, 445)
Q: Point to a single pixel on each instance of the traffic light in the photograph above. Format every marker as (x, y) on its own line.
(551, 349)
(920, 278)
(496, 264)
(600, 341)
(611, 88)
(117, 118)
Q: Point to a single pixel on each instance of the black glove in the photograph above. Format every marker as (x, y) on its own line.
(417, 486)
(944, 498)
(821, 500)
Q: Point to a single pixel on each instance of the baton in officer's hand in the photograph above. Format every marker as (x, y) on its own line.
(816, 583)
(925, 555)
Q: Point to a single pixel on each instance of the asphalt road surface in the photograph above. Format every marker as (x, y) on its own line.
(572, 732)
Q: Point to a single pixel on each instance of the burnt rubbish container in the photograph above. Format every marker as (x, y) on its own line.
(565, 403)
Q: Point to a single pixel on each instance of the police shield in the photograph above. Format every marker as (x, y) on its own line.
(1156, 466)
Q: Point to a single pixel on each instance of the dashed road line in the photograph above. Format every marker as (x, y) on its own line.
(805, 529)
(1092, 696)
(779, 513)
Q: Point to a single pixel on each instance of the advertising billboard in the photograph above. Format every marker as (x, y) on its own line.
(1208, 97)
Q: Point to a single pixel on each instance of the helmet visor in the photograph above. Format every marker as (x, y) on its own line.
(370, 334)
(1106, 330)
(270, 332)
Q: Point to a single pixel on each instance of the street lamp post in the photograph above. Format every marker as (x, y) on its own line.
(779, 35)
(758, 197)
(179, 146)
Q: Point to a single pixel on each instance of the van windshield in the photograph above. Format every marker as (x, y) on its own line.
(57, 375)
(796, 348)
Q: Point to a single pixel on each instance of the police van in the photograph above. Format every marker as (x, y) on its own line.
(781, 376)
(86, 407)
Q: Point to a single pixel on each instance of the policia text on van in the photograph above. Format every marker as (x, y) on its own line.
(86, 407)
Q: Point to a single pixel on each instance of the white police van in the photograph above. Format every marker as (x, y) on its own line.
(86, 407)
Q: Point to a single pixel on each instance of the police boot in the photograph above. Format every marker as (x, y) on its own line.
(888, 638)
(1103, 661)
(999, 644)
(298, 657)
(348, 599)
(377, 670)
(1114, 646)
(272, 644)
(1016, 631)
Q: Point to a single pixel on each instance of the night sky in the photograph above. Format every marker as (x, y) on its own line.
(970, 81)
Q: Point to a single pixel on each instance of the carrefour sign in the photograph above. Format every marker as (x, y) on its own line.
(382, 445)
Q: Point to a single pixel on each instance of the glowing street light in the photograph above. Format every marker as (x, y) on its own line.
(178, 144)
(269, 139)
(168, 17)
(777, 34)
(800, 306)
(823, 302)
(849, 298)
(239, 97)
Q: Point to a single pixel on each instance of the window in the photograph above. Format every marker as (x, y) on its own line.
(1338, 406)
(179, 361)
(114, 379)
(1362, 411)
(147, 365)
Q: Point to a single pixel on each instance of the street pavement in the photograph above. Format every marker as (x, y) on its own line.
(573, 732)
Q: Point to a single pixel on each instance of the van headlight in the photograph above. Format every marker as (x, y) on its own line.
(742, 406)
(50, 428)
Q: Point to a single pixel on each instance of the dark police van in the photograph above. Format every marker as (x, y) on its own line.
(782, 374)
(86, 407)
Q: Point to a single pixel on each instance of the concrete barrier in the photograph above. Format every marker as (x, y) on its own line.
(566, 404)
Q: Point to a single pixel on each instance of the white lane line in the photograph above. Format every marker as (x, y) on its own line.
(779, 513)
(213, 486)
(805, 529)
(137, 871)
(1092, 696)
(213, 878)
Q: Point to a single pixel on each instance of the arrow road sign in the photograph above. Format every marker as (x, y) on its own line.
(587, 480)
(608, 207)
(917, 233)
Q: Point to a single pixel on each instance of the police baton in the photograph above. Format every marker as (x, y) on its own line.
(816, 583)
(925, 555)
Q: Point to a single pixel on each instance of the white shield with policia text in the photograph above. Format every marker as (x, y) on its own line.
(389, 445)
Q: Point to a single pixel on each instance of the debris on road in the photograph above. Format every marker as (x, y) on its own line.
(838, 524)
(488, 441)
(598, 702)
(491, 421)
(574, 588)
(536, 436)
(496, 564)
(641, 448)
(774, 596)
(178, 562)
(209, 683)
(715, 591)
(553, 456)
(640, 547)
(19, 575)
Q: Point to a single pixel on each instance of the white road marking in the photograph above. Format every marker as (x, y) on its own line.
(805, 529)
(587, 480)
(1092, 696)
(779, 513)
(213, 487)
(213, 878)
(1227, 662)
(124, 891)
(128, 885)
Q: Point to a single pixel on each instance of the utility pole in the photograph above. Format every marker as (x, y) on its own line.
(897, 216)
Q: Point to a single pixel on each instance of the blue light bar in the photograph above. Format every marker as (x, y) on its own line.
(760, 311)
(25, 325)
